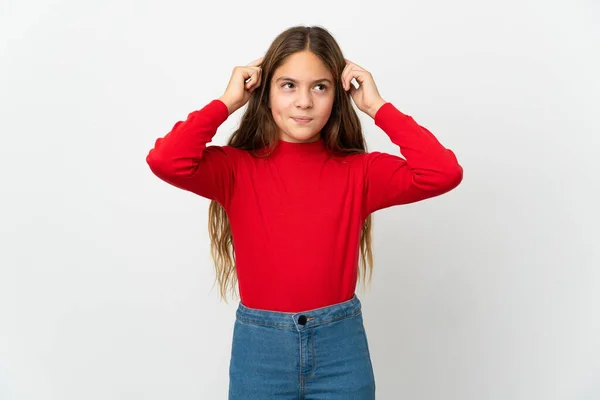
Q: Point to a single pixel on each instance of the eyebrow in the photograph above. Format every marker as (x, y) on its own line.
(286, 78)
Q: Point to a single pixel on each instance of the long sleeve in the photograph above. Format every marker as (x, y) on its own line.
(428, 169)
(183, 159)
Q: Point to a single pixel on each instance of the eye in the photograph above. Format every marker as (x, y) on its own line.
(323, 86)
(287, 83)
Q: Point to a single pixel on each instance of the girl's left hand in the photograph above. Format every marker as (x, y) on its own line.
(366, 97)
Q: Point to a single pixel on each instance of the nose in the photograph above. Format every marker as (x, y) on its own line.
(304, 99)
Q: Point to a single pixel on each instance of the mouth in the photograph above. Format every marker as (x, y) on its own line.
(302, 120)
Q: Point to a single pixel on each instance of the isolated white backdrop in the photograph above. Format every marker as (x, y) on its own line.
(489, 292)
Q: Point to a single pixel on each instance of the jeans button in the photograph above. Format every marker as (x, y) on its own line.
(302, 320)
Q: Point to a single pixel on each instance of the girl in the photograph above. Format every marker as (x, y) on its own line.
(294, 190)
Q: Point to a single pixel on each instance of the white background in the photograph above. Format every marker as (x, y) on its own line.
(491, 291)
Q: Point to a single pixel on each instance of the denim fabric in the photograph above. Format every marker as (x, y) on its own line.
(311, 355)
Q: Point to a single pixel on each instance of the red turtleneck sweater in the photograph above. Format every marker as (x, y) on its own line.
(296, 216)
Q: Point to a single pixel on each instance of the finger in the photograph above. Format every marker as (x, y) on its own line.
(248, 72)
(359, 75)
(353, 90)
(256, 62)
(353, 63)
(350, 66)
(344, 74)
(350, 74)
(254, 78)
(255, 82)
(258, 75)
(346, 79)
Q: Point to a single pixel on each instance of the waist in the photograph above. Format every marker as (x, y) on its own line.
(301, 319)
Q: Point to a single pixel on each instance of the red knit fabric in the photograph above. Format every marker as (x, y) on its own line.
(296, 216)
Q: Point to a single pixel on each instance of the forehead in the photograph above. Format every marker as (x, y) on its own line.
(303, 65)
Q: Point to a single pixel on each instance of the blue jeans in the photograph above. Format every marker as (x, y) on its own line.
(311, 355)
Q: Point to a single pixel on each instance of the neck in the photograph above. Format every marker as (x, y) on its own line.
(315, 147)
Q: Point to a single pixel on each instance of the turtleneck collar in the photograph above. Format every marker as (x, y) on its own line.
(297, 151)
(303, 148)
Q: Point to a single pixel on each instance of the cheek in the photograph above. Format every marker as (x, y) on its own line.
(325, 107)
(278, 104)
(279, 113)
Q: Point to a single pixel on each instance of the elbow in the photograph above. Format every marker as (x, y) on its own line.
(170, 168)
(445, 179)
(452, 177)
(456, 175)
(157, 164)
(454, 170)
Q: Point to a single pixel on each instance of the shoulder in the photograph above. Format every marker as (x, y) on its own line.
(368, 160)
(229, 151)
(353, 160)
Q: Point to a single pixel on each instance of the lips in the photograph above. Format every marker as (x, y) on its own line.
(302, 119)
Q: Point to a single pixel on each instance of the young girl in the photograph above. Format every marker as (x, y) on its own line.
(294, 190)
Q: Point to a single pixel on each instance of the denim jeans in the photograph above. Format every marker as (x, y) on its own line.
(311, 355)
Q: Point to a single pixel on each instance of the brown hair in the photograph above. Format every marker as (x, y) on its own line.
(257, 130)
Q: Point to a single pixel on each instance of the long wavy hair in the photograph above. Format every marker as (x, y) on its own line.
(258, 131)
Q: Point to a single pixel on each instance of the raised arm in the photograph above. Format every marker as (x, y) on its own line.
(428, 169)
(183, 159)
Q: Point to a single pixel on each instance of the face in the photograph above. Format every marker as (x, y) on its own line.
(301, 97)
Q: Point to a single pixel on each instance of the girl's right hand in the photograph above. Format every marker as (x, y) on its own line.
(244, 80)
